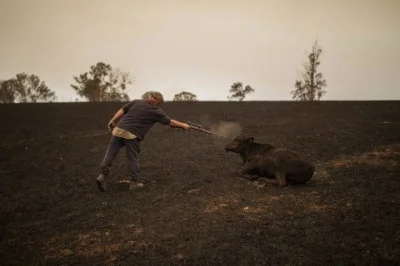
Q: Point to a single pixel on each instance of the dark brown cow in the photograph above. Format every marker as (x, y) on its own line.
(278, 165)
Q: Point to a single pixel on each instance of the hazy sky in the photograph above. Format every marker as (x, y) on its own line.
(205, 46)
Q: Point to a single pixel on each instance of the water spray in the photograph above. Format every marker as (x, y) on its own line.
(202, 129)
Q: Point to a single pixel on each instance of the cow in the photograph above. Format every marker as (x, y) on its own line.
(277, 166)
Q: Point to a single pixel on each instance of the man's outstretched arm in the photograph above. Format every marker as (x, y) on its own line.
(166, 120)
(176, 123)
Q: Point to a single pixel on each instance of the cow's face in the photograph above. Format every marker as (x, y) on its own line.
(238, 144)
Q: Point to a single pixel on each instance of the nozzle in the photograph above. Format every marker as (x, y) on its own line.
(194, 124)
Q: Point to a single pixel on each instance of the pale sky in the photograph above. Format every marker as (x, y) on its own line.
(205, 46)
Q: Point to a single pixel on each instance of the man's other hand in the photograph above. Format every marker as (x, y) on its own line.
(111, 125)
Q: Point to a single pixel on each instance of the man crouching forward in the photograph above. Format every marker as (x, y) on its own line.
(137, 117)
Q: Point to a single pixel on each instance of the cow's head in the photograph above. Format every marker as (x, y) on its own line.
(239, 144)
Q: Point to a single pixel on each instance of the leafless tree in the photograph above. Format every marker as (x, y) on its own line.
(310, 88)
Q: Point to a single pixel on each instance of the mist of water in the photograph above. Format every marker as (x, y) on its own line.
(227, 129)
(222, 128)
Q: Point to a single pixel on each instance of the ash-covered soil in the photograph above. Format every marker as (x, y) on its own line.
(193, 209)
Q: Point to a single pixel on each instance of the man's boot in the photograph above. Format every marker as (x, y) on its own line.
(101, 183)
(135, 184)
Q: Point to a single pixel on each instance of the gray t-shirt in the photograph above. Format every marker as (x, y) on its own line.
(139, 116)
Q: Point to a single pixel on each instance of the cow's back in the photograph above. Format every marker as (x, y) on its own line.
(290, 162)
(297, 168)
(257, 149)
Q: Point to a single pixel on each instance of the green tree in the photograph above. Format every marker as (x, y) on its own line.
(185, 96)
(7, 91)
(238, 92)
(25, 88)
(103, 83)
(310, 88)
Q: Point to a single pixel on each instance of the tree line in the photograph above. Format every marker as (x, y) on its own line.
(105, 83)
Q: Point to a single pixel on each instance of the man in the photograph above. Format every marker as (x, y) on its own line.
(137, 117)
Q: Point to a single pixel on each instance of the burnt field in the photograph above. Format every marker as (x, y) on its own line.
(193, 209)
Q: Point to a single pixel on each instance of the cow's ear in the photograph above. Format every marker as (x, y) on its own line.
(250, 139)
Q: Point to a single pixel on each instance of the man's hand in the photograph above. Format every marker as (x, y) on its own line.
(111, 125)
(177, 124)
(117, 116)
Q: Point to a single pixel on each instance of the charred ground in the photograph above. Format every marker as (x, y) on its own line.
(193, 209)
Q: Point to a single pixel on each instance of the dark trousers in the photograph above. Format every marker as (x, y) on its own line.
(132, 151)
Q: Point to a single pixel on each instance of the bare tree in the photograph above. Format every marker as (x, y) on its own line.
(185, 96)
(311, 87)
(117, 84)
(237, 91)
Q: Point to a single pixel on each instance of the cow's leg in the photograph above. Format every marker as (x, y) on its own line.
(248, 176)
(244, 172)
(280, 181)
(270, 181)
(281, 178)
